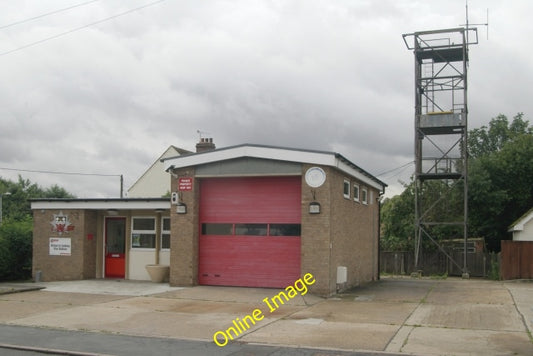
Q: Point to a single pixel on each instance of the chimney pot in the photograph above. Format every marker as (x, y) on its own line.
(205, 144)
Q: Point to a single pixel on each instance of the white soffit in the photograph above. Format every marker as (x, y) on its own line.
(357, 174)
(273, 153)
(101, 204)
(280, 154)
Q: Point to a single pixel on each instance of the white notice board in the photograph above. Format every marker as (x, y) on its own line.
(60, 246)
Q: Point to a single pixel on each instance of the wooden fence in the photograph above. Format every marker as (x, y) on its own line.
(516, 260)
(435, 263)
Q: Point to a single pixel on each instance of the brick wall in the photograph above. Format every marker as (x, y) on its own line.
(354, 233)
(81, 264)
(316, 234)
(184, 234)
(89, 244)
(343, 234)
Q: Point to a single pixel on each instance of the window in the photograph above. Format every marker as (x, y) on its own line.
(251, 229)
(226, 229)
(356, 192)
(165, 233)
(217, 229)
(364, 196)
(143, 232)
(346, 189)
(285, 230)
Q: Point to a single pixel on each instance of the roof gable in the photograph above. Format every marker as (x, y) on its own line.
(154, 175)
(518, 225)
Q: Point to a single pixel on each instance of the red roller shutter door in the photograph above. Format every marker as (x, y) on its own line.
(232, 259)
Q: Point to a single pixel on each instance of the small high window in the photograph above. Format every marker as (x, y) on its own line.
(364, 196)
(356, 192)
(346, 190)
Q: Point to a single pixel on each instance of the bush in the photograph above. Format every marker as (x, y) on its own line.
(494, 270)
(15, 249)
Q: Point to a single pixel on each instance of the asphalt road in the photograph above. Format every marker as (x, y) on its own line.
(39, 341)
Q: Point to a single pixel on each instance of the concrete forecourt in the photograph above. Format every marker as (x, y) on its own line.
(393, 316)
(239, 326)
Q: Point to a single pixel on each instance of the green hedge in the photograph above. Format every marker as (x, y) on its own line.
(15, 250)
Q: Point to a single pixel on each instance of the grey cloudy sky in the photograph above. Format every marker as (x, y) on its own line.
(79, 94)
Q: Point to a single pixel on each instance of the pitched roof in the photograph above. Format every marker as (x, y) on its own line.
(325, 158)
(518, 225)
(169, 152)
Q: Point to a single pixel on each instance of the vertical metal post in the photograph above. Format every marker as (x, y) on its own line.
(121, 186)
(418, 150)
(465, 151)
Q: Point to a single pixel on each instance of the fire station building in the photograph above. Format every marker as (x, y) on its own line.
(246, 215)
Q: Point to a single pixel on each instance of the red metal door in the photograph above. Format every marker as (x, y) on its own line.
(115, 246)
(250, 231)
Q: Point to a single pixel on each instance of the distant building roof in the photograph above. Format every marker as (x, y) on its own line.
(154, 182)
(518, 225)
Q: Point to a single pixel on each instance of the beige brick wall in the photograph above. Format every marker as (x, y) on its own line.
(354, 232)
(89, 244)
(316, 234)
(343, 234)
(184, 234)
(81, 263)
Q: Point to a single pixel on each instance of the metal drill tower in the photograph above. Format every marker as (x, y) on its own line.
(441, 118)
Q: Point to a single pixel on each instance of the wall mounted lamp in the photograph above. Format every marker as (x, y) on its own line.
(112, 212)
(181, 208)
(314, 208)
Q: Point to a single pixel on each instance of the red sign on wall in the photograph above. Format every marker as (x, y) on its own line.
(185, 184)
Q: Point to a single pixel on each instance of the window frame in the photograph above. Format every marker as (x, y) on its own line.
(141, 232)
(164, 232)
(358, 197)
(364, 196)
(234, 229)
(345, 184)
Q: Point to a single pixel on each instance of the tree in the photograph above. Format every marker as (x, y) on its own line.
(500, 189)
(17, 225)
(486, 140)
(16, 206)
(16, 249)
(398, 215)
(397, 218)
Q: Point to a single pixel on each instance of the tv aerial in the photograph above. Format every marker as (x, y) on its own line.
(468, 24)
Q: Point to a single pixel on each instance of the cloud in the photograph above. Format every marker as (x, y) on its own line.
(327, 75)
